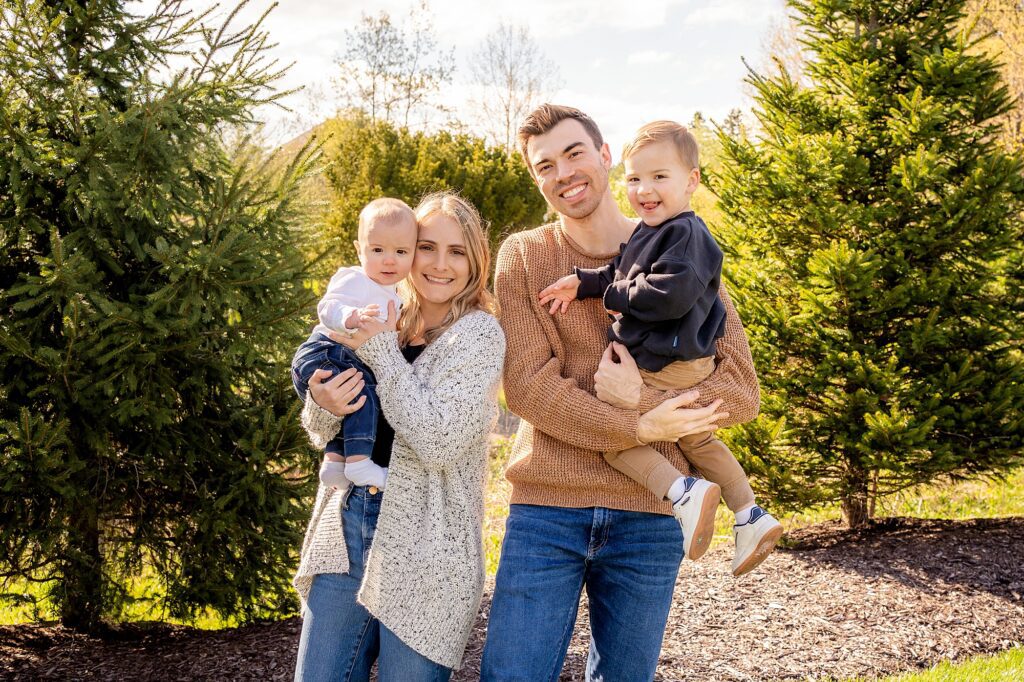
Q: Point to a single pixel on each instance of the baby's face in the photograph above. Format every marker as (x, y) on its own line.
(659, 185)
(387, 249)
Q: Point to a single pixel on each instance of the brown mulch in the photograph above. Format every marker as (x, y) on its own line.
(900, 595)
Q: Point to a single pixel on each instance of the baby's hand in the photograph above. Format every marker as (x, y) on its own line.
(562, 292)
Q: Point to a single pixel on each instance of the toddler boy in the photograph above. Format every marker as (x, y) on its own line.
(662, 290)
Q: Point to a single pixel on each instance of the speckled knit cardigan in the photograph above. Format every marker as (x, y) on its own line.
(424, 575)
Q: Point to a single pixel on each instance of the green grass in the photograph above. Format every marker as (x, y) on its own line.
(968, 500)
(1007, 666)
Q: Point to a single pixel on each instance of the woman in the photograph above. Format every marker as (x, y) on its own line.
(410, 601)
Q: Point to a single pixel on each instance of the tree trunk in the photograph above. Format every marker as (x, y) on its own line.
(855, 500)
(82, 601)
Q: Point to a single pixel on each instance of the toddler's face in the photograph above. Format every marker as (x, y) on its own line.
(658, 183)
(387, 249)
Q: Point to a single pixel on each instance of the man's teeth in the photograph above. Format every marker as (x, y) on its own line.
(573, 192)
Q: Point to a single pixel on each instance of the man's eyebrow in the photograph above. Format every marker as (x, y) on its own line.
(564, 151)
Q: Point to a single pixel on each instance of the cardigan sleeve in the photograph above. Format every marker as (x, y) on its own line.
(441, 419)
(321, 425)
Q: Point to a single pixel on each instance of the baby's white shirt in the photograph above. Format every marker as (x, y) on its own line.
(349, 289)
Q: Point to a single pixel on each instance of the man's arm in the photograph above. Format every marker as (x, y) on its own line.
(535, 388)
(734, 380)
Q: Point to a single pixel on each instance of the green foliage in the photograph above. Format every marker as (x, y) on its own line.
(150, 290)
(873, 225)
(367, 160)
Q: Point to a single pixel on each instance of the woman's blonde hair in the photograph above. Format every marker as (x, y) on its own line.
(475, 296)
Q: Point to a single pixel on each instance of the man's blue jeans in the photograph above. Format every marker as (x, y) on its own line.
(628, 562)
(359, 430)
(340, 639)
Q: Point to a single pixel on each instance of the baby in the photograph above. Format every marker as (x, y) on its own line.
(662, 290)
(386, 244)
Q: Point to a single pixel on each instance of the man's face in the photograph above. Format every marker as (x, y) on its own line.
(571, 173)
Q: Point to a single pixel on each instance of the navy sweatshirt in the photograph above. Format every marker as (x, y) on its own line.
(665, 283)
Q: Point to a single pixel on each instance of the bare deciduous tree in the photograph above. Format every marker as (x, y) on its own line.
(514, 75)
(392, 71)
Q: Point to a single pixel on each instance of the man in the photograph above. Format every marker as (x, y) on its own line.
(575, 522)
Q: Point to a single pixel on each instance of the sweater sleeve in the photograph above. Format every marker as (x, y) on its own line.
(667, 292)
(734, 379)
(535, 387)
(441, 420)
(668, 286)
(594, 281)
(320, 425)
(345, 293)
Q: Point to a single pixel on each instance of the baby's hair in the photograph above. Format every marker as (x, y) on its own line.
(666, 131)
(385, 210)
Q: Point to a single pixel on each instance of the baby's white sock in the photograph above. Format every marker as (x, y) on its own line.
(743, 515)
(365, 472)
(677, 490)
(333, 474)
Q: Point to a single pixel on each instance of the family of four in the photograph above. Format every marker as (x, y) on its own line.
(400, 382)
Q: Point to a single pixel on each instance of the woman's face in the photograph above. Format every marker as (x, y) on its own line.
(440, 270)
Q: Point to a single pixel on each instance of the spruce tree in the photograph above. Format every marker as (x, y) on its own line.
(873, 223)
(150, 294)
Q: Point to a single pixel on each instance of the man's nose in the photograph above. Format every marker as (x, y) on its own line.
(564, 170)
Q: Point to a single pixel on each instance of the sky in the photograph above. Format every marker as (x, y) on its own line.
(624, 63)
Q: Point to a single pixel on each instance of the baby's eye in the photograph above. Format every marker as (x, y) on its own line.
(377, 249)
(402, 252)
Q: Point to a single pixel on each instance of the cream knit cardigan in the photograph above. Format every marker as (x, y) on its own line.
(425, 571)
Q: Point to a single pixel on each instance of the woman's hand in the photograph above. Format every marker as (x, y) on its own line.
(336, 395)
(369, 326)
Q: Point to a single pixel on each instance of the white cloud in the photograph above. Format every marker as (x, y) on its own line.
(648, 57)
(731, 12)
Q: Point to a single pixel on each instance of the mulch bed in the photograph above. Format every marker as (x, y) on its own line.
(900, 595)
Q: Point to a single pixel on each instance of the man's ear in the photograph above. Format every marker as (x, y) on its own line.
(606, 156)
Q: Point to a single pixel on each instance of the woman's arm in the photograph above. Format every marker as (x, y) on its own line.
(456, 409)
(328, 400)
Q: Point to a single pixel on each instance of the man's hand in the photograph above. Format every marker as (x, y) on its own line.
(617, 380)
(671, 420)
(562, 292)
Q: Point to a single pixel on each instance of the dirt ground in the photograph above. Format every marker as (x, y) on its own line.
(901, 595)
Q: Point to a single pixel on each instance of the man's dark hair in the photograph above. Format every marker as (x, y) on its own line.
(547, 116)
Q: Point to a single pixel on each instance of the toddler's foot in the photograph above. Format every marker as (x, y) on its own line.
(695, 511)
(755, 540)
(365, 472)
(333, 474)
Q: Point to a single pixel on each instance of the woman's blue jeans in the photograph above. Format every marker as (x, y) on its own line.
(340, 639)
(627, 561)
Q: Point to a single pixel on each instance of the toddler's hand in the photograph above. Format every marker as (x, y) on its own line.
(562, 293)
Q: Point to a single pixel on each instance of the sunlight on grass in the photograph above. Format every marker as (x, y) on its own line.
(1007, 666)
(978, 499)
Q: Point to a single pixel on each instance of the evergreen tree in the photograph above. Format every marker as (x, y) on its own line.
(366, 160)
(150, 294)
(872, 225)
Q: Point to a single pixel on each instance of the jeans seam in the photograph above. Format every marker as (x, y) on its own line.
(567, 630)
(359, 645)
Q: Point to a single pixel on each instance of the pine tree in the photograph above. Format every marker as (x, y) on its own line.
(873, 222)
(150, 293)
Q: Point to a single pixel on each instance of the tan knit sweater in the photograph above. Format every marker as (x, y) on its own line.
(549, 381)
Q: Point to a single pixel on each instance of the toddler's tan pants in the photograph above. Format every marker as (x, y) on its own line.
(710, 456)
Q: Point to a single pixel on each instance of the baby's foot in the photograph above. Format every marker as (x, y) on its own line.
(755, 539)
(695, 511)
(366, 472)
(333, 474)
